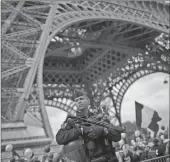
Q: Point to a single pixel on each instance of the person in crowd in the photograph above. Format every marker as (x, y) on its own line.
(35, 159)
(167, 148)
(83, 143)
(159, 148)
(50, 157)
(125, 154)
(135, 156)
(12, 159)
(167, 152)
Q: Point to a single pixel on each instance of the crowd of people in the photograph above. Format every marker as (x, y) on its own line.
(142, 147)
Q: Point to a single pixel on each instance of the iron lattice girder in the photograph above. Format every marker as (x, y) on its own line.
(14, 32)
(28, 61)
(35, 14)
(21, 42)
(22, 14)
(126, 31)
(65, 78)
(23, 33)
(92, 44)
(62, 19)
(155, 6)
(41, 48)
(12, 71)
(6, 92)
(107, 49)
(141, 9)
(8, 95)
(98, 68)
(12, 16)
(15, 50)
(37, 7)
(98, 4)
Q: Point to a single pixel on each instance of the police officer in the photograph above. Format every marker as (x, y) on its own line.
(86, 143)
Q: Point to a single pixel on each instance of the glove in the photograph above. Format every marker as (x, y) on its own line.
(85, 130)
(113, 135)
(95, 132)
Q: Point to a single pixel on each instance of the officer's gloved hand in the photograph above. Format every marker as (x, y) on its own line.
(95, 132)
(85, 130)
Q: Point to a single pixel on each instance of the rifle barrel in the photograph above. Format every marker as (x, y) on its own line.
(99, 123)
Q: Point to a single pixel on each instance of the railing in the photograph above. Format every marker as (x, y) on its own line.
(159, 159)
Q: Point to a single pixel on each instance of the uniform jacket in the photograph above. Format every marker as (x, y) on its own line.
(103, 145)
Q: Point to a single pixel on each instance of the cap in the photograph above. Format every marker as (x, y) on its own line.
(79, 93)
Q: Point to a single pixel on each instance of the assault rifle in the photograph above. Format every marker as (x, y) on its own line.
(99, 123)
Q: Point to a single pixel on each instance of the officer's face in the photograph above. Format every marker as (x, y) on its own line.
(82, 103)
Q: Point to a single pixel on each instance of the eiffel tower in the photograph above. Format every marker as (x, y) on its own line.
(73, 42)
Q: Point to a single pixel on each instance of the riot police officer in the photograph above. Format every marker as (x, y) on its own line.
(86, 143)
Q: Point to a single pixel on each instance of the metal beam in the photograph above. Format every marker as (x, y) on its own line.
(35, 7)
(18, 43)
(89, 44)
(47, 70)
(141, 34)
(29, 41)
(6, 92)
(32, 72)
(25, 33)
(5, 11)
(12, 71)
(15, 50)
(11, 17)
(21, 24)
(30, 19)
(128, 30)
(96, 59)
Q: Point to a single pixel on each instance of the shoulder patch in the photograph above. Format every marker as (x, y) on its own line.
(67, 126)
(63, 125)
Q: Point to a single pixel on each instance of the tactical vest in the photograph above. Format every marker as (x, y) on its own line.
(78, 151)
(75, 152)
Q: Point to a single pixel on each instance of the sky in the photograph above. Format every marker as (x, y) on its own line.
(149, 90)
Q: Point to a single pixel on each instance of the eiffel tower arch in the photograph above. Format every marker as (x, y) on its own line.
(74, 43)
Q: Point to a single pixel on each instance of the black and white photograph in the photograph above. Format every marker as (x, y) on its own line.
(85, 80)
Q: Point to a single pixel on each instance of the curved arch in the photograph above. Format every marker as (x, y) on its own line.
(63, 20)
(69, 108)
(133, 78)
(67, 19)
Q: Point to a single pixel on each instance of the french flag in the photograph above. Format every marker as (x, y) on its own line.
(147, 117)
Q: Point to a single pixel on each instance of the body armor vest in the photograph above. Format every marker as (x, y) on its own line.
(75, 152)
